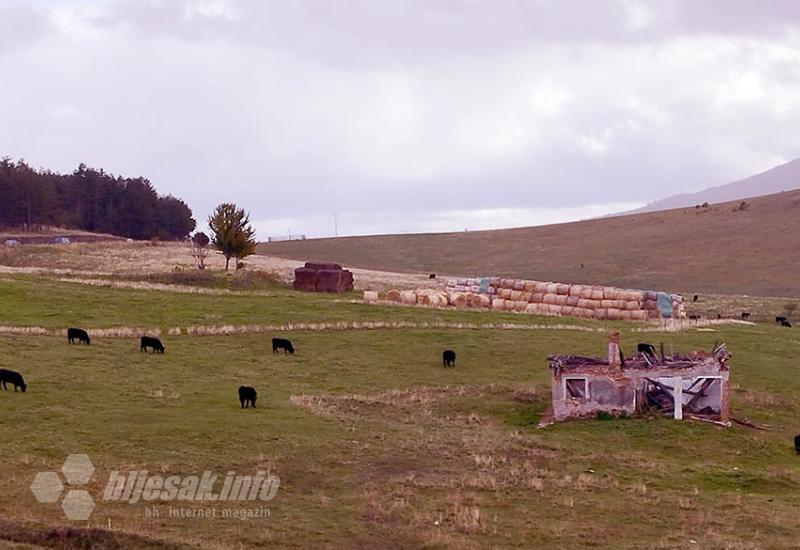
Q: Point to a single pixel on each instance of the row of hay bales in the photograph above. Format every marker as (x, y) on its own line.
(541, 298)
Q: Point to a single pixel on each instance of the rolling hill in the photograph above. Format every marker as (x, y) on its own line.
(718, 249)
(781, 178)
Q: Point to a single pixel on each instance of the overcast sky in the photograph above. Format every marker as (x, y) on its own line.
(419, 115)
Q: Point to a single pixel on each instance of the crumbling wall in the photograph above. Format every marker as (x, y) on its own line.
(322, 277)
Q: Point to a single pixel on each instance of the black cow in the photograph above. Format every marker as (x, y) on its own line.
(797, 444)
(786, 324)
(449, 358)
(282, 343)
(646, 349)
(745, 315)
(432, 276)
(694, 317)
(78, 334)
(695, 298)
(12, 377)
(150, 342)
(780, 319)
(247, 396)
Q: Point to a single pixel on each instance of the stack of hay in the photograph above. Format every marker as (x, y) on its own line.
(321, 277)
(585, 301)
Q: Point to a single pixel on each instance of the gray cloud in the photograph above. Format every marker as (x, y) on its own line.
(436, 112)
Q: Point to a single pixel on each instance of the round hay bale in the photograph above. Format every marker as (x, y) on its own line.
(597, 295)
(611, 304)
(585, 304)
(516, 295)
(610, 293)
(561, 299)
(633, 305)
(471, 281)
(504, 293)
(498, 303)
(507, 283)
(567, 310)
(494, 281)
(525, 296)
(530, 286)
(584, 313)
(549, 298)
(651, 295)
(392, 296)
(551, 288)
(572, 301)
(600, 314)
(650, 305)
(613, 314)
(519, 285)
(483, 301)
(457, 299)
(575, 290)
(370, 296)
(626, 315)
(636, 295)
(553, 309)
(541, 288)
(520, 305)
(639, 315)
(509, 305)
(562, 288)
(537, 298)
(533, 308)
(408, 296)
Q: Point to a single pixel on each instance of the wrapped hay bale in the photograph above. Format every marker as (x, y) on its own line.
(504, 293)
(633, 305)
(575, 290)
(585, 304)
(650, 295)
(507, 283)
(583, 313)
(392, 296)
(408, 296)
(572, 301)
(498, 304)
(650, 305)
(471, 281)
(519, 285)
(553, 309)
(639, 315)
(491, 290)
(567, 311)
(562, 288)
(508, 305)
(530, 286)
(626, 315)
(537, 298)
(586, 293)
(549, 298)
(494, 281)
(551, 288)
(636, 295)
(461, 281)
(516, 295)
(457, 299)
(370, 296)
(561, 299)
(612, 304)
(520, 305)
(597, 295)
(483, 301)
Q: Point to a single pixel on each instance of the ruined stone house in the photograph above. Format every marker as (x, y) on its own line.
(694, 384)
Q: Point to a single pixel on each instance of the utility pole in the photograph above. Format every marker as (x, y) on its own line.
(335, 224)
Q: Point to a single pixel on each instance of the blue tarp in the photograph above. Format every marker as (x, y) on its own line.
(483, 285)
(664, 302)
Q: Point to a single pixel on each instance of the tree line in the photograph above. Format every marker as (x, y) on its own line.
(91, 200)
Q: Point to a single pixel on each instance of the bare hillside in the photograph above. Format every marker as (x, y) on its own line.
(781, 178)
(718, 249)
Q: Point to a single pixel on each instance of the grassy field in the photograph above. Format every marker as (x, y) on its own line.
(708, 250)
(375, 444)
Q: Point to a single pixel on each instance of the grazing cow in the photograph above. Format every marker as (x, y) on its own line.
(646, 349)
(247, 396)
(12, 377)
(432, 276)
(745, 315)
(719, 315)
(786, 324)
(78, 334)
(695, 298)
(449, 358)
(694, 317)
(282, 343)
(780, 319)
(150, 342)
(797, 444)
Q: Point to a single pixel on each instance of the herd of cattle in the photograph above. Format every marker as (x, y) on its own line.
(247, 394)
(745, 315)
